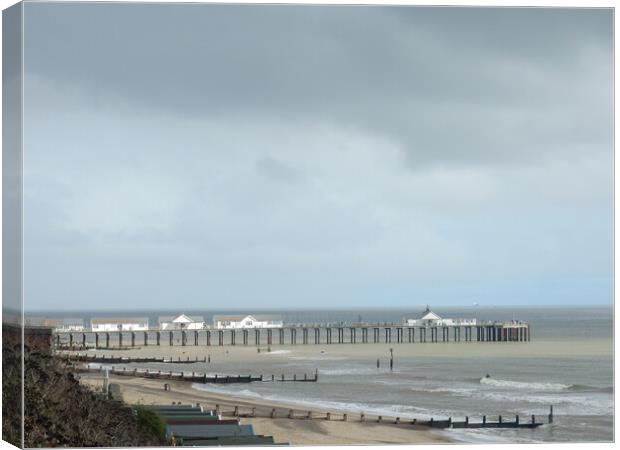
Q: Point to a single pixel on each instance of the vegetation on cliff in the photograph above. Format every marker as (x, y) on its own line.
(59, 411)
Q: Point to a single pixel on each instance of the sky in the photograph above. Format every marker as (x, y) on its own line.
(217, 156)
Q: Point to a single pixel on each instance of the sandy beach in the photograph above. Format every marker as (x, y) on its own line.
(297, 431)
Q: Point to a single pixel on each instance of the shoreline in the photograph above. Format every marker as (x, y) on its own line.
(298, 430)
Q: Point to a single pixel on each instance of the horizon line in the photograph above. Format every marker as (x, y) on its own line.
(327, 308)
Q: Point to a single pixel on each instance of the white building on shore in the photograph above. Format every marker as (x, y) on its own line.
(181, 322)
(431, 319)
(116, 324)
(247, 321)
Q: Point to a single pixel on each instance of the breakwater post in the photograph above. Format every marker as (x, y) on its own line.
(551, 414)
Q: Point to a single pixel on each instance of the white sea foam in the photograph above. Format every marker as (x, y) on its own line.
(278, 352)
(463, 392)
(524, 385)
(565, 404)
(403, 411)
(591, 404)
(487, 436)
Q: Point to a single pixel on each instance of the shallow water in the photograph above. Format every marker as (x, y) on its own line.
(447, 386)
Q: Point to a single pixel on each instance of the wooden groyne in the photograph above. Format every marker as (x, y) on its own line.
(513, 331)
(111, 359)
(194, 377)
(273, 413)
(484, 423)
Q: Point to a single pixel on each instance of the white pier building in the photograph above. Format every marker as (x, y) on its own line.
(431, 319)
(116, 324)
(249, 321)
(181, 322)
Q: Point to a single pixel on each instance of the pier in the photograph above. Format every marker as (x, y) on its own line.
(305, 334)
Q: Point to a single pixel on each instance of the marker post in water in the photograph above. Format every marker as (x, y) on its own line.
(391, 359)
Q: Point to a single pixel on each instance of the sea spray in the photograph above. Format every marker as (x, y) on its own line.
(524, 385)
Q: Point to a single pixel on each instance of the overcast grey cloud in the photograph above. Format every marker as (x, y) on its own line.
(316, 155)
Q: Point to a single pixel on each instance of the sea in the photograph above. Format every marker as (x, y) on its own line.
(579, 385)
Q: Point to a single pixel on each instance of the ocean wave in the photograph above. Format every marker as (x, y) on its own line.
(488, 436)
(566, 401)
(525, 385)
(586, 388)
(454, 391)
(403, 411)
(279, 352)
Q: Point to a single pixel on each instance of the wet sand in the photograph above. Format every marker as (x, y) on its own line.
(297, 431)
